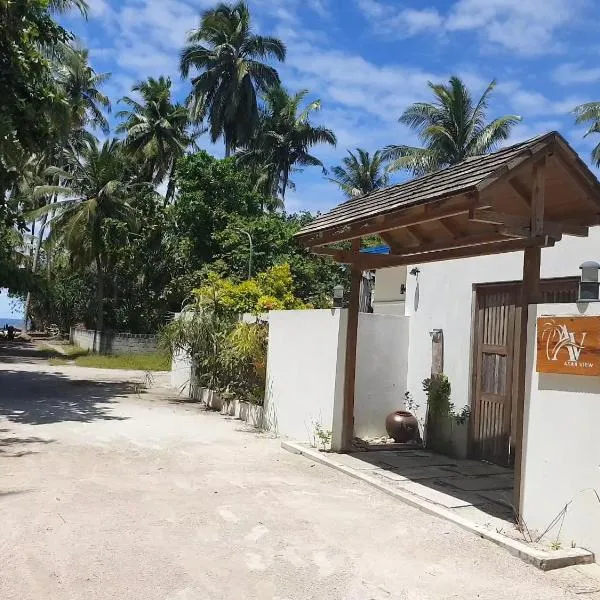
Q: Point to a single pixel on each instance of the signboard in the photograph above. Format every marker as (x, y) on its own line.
(569, 345)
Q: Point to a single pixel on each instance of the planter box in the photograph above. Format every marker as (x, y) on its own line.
(230, 407)
(448, 437)
(209, 397)
(251, 414)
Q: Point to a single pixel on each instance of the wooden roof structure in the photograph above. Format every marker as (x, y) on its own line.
(485, 204)
(524, 197)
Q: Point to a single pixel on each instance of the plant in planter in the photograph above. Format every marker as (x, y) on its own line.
(444, 424)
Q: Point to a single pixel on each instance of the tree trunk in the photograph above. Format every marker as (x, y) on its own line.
(99, 304)
(171, 184)
(227, 147)
(34, 264)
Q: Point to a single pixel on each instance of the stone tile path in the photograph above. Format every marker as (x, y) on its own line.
(482, 491)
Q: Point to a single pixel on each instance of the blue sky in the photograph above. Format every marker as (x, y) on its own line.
(369, 59)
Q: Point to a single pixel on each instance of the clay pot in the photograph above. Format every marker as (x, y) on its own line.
(402, 426)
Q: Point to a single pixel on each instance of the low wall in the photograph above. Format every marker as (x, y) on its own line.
(561, 449)
(381, 371)
(305, 372)
(112, 343)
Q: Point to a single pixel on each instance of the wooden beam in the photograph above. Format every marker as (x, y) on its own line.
(578, 171)
(537, 197)
(448, 226)
(416, 235)
(381, 261)
(522, 190)
(380, 223)
(519, 221)
(394, 245)
(530, 294)
(350, 360)
(512, 168)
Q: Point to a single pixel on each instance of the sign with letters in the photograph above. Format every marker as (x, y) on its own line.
(568, 345)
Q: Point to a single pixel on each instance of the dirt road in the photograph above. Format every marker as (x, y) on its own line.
(110, 493)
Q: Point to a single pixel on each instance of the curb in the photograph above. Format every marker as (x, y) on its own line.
(542, 559)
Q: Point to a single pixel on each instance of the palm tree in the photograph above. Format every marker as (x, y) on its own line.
(157, 130)
(361, 174)
(98, 191)
(228, 56)
(283, 140)
(81, 84)
(590, 113)
(451, 128)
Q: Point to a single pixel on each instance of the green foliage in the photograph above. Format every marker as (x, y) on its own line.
(361, 173)
(438, 389)
(227, 56)
(451, 128)
(589, 113)
(30, 96)
(229, 355)
(283, 140)
(269, 290)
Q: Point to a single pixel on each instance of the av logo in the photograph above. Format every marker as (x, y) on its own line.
(559, 338)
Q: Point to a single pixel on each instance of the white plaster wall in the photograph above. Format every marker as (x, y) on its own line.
(305, 372)
(181, 372)
(441, 298)
(387, 298)
(562, 446)
(381, 371)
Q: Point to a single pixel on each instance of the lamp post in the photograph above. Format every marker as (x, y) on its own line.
(250, 257)
(588, 285)
(338, 296)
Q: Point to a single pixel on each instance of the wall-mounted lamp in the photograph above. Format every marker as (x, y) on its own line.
(338, 295)
(589, 287)
(414, 271)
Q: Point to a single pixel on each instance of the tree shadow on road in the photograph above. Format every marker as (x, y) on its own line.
(15, 447)
(38, 398)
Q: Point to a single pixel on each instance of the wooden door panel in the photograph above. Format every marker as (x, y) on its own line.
(494, 343)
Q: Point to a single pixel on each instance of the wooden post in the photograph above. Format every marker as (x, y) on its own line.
(530, 294)
(351, 343)
(537, 198)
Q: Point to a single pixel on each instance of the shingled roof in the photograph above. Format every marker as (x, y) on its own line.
(471, 175)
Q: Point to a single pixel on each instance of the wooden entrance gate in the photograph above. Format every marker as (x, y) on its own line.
(495, 360)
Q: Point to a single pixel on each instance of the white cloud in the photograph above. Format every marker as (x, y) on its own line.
(570, 73)
(533, 103)
(526, 27)
(400, 23)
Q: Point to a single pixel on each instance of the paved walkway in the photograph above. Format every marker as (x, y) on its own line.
(475, 490)
(111, 492)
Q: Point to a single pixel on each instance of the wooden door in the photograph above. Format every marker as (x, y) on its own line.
(495, 321)
(495, 358)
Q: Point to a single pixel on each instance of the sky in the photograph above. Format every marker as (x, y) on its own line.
(367, 60)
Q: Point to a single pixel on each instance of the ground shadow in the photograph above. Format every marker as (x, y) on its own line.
(38, 398)
(20, 351)
(494, 485)
(15, 447)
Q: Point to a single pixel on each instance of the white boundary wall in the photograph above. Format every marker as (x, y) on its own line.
(562, 445)
(305, 372)
(381, 371)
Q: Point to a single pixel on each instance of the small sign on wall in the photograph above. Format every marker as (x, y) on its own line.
(569, 345)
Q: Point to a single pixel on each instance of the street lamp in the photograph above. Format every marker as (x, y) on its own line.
(250, 257)
(588, 284)
(338, 296)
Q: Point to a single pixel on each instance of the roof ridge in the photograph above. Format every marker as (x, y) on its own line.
(425, 176)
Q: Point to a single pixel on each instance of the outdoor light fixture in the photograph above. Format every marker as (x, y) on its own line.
(589, 290)
(338, 296)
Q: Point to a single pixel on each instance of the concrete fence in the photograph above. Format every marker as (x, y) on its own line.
(110, 342)
(305, 372)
